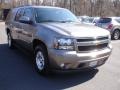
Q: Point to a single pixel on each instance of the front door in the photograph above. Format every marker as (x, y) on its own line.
(27, 30)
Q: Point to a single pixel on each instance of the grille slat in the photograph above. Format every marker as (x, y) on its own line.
(92, 39)
(92, 47)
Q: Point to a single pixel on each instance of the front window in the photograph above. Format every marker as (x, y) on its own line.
(54, 15)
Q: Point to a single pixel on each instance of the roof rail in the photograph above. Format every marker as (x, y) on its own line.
(22, 6)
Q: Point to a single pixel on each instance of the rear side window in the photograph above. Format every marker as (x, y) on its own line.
(118, 20)
(20, 13)
(105, 20)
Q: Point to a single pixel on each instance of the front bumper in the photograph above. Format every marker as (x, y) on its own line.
(70, 60)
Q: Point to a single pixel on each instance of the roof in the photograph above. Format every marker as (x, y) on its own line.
(39, 7)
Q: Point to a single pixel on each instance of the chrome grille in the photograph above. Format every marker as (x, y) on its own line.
(92, 47)
(92, 44)
(91, 39)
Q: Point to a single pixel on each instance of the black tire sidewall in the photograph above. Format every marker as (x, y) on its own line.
(46, 64)
(12, 46)
(113, 36)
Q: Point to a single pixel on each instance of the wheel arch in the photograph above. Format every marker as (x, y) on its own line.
(116, 29)
(39, 42)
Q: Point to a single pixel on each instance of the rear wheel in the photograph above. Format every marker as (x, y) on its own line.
(10, 41)
(116, 35)
(41, 59)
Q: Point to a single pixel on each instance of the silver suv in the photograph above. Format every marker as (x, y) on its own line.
(112, 24)
(56, 37)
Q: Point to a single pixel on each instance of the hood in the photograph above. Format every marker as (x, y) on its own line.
(77, 29)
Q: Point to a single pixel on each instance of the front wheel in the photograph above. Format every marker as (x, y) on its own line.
(116, 35)
(41, 59)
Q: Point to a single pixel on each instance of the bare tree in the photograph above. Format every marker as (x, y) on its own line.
(79, 7)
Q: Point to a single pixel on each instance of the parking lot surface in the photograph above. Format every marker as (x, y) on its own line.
(17, 72)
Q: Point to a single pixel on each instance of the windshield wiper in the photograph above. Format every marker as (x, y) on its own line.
(49, 21)
(57, 21)
(66, 21)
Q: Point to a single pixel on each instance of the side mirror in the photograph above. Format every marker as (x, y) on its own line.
(26, 20)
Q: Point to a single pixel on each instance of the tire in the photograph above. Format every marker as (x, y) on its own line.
(10, 41)
(116, 35)
(41, 60)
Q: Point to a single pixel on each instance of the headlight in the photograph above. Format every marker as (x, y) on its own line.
(64, 43)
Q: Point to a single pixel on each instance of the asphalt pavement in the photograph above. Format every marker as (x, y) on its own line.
(17, 72)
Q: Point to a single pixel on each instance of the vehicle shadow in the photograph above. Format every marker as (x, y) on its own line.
(17, 73)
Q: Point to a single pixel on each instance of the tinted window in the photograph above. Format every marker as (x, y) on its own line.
(105, 20)
(85, 20)
(54, 15)
(91, 19)
(118, 20)
(19, 14)
(28, 12)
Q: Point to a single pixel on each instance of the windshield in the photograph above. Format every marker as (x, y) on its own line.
(54, 15)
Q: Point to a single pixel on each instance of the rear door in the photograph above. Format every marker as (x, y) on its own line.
(17, 26)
